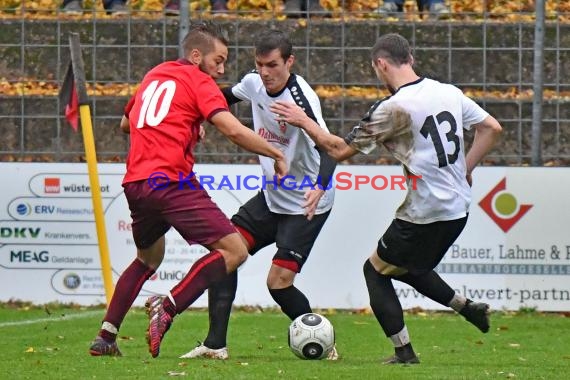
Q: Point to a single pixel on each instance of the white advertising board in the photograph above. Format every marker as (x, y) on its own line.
(513, 253)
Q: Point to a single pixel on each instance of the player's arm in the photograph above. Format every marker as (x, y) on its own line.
(125, 127)
(335, 146)
(486, 136)
(229, 95)
(241, 135)
(313, 196)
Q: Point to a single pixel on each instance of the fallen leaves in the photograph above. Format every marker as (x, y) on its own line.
(507, 10)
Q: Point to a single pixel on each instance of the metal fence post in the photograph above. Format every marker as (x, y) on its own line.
(538, 81)
(183, 24)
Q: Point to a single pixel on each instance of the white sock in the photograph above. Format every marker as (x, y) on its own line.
(109, 327)
(401, 339)
(457, 302)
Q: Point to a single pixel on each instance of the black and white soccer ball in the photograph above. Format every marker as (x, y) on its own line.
(311, 336)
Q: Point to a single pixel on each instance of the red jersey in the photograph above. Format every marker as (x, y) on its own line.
(172, 101)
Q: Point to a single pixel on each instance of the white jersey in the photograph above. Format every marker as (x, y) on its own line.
(303, 160)
(422, 126)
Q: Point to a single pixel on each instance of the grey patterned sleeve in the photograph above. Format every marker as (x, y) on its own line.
(383, 123)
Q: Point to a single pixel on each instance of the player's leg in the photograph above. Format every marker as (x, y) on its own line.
(434, 287)
(148, 235)
(220, 299)
(295, 238)
(257, 227)
(434, 240)
(379, 269)
(199, 220)
(280, 284)
(127, 289)
(387, 308)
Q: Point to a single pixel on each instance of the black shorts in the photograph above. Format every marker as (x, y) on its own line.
(293, 234)
(418, 247)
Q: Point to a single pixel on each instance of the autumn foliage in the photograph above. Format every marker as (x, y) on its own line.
(509, 10)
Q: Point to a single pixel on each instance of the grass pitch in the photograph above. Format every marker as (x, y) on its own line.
(51, 342)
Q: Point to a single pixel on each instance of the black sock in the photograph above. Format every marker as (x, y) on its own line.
(292, 301)
(430, 285)
(220, 299)
(383, 300)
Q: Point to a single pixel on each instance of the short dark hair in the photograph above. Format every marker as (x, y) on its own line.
(272, 39)
(392, 47)
(202, 36)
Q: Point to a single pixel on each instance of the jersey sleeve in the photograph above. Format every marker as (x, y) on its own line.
(245, 88)
(382, 124)
(472, 112)
(129, 106)
(209, 98)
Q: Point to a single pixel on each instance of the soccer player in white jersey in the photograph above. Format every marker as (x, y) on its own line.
(421, 124)
(290, 215)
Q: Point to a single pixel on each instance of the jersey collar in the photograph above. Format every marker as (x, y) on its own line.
(409, 84)
(290, 81)
(184, 61)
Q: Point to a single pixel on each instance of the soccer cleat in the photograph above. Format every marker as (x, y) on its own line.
(403, 355)
(478, 314)
(333, 355)
(100, 347)
(158, 325)
(395, 359)
(201, 351)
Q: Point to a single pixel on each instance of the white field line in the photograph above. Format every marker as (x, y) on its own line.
(66, 317)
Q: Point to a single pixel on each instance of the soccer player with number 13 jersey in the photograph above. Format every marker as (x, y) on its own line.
(421, 124)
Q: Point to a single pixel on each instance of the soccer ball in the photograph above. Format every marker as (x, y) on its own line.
(311, 336)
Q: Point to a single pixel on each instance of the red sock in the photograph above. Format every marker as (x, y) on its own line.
(107, 335)
(209, 269)
(126, 290)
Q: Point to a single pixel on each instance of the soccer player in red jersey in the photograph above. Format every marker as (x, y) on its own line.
(164, 120)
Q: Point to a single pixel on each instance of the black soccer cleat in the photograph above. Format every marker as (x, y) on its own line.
(478, 314)
(403, 355)
(395, 359)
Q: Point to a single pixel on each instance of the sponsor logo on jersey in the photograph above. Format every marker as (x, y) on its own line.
(272, 137)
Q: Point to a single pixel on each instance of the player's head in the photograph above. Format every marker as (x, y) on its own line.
(391, 51)
(206, 45)
(273, 59)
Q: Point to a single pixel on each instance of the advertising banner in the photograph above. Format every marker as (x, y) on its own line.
(514, 252)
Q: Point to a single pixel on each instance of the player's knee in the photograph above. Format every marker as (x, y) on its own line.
(368, 270)
(235, 256)
(280, 277)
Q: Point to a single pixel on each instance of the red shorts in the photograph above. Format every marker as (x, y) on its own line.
(190, 211)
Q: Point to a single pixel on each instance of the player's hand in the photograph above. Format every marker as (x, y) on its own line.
(201, 133)
(280, 167)
(288, 112)
(469, 179)
(312, 198)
